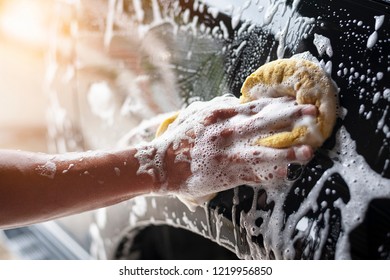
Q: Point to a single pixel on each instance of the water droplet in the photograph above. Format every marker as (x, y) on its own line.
(229, 95)
(294, 171)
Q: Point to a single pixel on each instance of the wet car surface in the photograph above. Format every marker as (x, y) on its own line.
(151, 57)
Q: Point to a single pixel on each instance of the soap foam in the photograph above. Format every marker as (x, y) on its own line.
(280, 234)
(48, 169)
(219, 163)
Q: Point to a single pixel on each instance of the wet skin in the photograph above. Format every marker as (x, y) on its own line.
(36, 187)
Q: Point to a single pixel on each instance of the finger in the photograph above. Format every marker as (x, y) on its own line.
(274, 121)
(219, 115)
(260, 154)
(269, 161)
(309, 110)
(258, 165)
(223, 138)
(287, 114)
(298, 155)
(255, 106)
(301, 153)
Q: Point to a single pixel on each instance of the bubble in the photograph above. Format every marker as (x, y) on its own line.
(294, 171)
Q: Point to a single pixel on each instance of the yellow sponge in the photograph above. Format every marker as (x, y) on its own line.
(308, 83)
(164, 125)
(298, 78)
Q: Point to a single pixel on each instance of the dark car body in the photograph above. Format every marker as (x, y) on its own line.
(339, 205)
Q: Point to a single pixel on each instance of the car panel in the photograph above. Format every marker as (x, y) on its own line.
(207, 49)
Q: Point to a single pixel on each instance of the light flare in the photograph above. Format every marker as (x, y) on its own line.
(25, 21)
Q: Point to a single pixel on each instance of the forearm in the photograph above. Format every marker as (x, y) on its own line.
(39, 187)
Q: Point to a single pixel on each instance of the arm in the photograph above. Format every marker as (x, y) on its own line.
(208, 148)
(38, 187)
(215, 142)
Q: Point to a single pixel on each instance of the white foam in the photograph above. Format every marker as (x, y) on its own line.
(346, 165)
(373, 38)
(281, 37)
(379, 21)
(139, 12)
(97, 248)
(108, 33)
(48, 169)
(371, 41)
(224, 30)
(211, 158)
(100, 99)
(279, 234)
(101, 217)
(323, 45)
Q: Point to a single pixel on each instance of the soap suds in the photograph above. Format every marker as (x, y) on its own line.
(211, 157)
(373, 38)
(48, 169)
(323, 45)
(247, 227)
(280, 234)
(100, 98)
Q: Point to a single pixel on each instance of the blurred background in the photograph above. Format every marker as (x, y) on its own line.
(23, 44)
(114, 63)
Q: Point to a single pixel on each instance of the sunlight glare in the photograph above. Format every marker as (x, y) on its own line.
(25, 20)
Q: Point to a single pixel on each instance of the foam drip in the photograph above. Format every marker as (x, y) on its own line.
(279, 235)
(218, 163)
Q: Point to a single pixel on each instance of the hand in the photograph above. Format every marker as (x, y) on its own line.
(209, 147)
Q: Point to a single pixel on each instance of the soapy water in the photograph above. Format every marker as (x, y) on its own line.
(324, 203)
(281, 232)
(221, 132)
